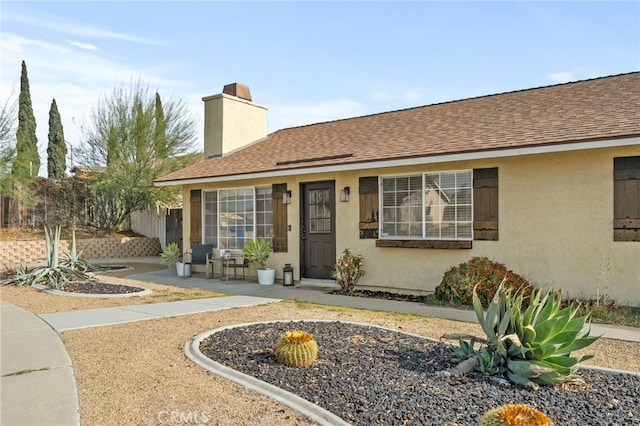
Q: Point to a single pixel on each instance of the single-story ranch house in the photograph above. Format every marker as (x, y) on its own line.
(545, 180)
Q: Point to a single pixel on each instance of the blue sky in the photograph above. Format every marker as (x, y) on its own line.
(306, 61)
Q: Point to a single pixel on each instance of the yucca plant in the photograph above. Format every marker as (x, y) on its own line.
(171, 254)
(257, 252)
(515, 415)
(532, 347)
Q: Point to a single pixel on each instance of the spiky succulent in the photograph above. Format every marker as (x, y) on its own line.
(515, 415)
(74, 258)
(55, 273)
(535, 345)
(296, 348)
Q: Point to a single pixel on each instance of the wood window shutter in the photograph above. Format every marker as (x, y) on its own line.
(485, 204)
(369, 206)
(626, 199)
(280, 221)
(196, 217)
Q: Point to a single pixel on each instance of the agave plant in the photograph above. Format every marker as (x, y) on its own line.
(54, 273)
(533, 346)
(17, 276)
(74, 258)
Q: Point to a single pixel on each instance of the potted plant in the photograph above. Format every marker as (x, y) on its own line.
(171, 256)
(257, 252)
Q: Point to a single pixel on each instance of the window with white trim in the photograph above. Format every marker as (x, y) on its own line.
(234, 216)
(264, 213)
(428, 206)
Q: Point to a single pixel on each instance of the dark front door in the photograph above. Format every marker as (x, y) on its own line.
(318, 229)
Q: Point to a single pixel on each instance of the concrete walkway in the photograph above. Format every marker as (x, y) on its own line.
(317, 292)
(38, 386)
(64, 321)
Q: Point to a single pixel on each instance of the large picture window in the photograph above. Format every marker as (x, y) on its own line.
(234, 216)
(429, 206)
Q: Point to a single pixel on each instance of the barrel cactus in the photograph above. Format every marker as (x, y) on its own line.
(515, 415)
(296, 348)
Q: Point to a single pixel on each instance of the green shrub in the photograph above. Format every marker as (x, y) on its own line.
(485, 275)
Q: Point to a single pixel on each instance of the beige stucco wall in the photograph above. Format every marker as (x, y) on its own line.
(555, 227)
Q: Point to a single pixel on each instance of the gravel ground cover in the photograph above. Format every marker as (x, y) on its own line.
(99, 287)
(372, 376)
(137, 373)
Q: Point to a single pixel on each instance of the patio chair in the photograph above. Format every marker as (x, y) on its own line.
(235, 265)
(200, 252)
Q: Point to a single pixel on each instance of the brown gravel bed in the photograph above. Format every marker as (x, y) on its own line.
(137, 373)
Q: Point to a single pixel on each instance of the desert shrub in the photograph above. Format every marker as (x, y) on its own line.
(347, 271)
(485, 275)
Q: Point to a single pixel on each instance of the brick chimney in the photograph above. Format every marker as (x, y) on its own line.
(232, 120)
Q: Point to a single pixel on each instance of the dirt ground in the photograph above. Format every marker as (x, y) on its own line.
(137, 373)
(86, 232)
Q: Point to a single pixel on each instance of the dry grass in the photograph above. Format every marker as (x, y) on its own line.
(137, 373)
(39, 302)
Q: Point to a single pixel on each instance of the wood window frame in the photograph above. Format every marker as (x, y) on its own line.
(195, 200)
(626, 198)
(280, 218)
(485, 213)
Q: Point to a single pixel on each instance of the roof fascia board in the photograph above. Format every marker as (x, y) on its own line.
(481, 155)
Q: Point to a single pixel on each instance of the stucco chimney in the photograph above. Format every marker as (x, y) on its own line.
(232, 120)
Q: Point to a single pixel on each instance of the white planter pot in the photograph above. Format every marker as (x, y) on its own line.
(183, 269)
(266, 276)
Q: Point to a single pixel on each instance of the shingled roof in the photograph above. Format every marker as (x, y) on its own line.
(591, 110)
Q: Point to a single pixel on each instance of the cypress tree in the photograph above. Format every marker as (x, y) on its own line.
(57, 149)
(160, 130)
(27, 161)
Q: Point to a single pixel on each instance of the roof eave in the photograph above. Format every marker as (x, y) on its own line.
(417, 160)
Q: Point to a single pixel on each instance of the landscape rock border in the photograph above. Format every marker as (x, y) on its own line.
(57, 292)
(304, 407)
(301, 405)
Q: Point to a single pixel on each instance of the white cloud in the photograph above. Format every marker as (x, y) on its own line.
(69, 27)
(561, 77)
(85, 46)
